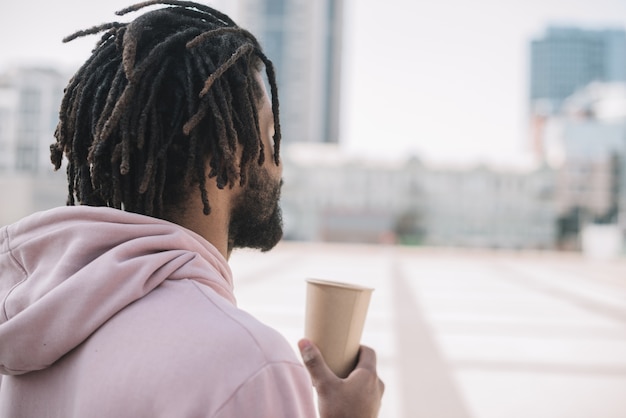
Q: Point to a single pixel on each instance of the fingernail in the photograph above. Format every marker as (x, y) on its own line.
(305, 350)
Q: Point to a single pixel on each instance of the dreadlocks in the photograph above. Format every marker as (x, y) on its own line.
(159, 98)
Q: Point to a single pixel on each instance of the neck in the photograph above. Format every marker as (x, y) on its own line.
(213, 227)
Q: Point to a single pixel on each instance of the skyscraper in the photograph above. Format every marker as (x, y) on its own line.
(303, 39)
(566, 59)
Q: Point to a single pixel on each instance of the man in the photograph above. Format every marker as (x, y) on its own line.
(123, 306)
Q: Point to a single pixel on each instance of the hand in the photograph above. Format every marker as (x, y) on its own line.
(357, 396)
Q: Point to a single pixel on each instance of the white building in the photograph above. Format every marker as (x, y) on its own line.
(586, 145)
(29, 109)
(489, 207)
(329, 196)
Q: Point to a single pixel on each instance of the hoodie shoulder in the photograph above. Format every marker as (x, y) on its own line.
(11, 272)
(67, 271)
(185, 351)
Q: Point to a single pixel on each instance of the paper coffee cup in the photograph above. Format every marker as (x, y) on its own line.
(335, 315)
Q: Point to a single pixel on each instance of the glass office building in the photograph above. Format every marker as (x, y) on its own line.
(567, 59)
(304, 40)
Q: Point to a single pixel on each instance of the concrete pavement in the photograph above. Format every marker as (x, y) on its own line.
(466, 334)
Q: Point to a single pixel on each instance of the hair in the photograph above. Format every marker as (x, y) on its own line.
(159, 98)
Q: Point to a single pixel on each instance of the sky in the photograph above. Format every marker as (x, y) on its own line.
(444, 80)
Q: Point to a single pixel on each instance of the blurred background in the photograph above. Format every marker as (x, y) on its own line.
(468, 159)
(490, 124)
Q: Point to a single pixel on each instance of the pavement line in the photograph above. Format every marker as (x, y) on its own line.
(427, 387)
(557, 290)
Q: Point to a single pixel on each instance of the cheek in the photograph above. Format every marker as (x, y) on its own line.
(270, 138)
(276, 172)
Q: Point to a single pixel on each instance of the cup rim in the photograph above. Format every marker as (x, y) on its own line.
(342, 285)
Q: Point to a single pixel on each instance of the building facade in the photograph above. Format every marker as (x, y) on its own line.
(578, 126)
(488, 207)
(566, 59)
(586, 146)
(304, 41)
(29, 110)
(331, 197)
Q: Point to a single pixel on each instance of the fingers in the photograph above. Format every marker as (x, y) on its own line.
(367, 361)
(314, 363)
(381, 386)
(367, 358)
(358, 395)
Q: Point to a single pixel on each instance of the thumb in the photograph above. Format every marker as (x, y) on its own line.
(314, 362)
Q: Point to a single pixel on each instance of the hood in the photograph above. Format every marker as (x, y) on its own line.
(66, 271)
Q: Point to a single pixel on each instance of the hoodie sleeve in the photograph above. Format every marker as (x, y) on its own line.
(278, 390)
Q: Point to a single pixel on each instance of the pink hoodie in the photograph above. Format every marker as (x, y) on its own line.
(112, 314)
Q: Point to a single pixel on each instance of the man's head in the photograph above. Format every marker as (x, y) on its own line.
(166, 103)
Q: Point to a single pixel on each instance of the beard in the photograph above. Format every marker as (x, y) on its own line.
(256, 220)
